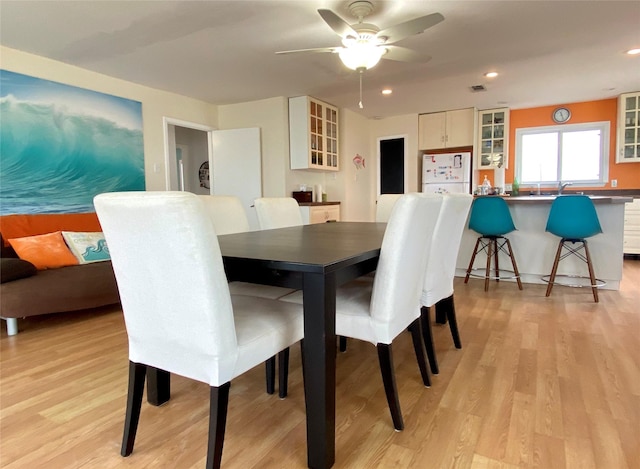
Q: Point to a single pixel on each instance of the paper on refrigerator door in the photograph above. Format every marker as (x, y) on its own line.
(446, 167)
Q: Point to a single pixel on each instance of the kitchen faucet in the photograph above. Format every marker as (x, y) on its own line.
(562, 185)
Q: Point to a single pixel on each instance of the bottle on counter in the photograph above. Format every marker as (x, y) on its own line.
(486, 186)
(515, 187)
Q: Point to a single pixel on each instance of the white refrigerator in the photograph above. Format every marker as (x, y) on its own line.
(446, 173)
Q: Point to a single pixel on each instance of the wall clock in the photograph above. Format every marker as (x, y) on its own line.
(561, 115)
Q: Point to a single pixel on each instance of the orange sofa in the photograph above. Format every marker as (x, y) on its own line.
(70, 288)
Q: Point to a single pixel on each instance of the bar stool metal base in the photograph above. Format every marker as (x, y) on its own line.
(565, 280)
(492, 245)
(481, 272)
(571, 249)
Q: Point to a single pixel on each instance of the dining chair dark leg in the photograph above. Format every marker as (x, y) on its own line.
(158, 386)
(270, 368)
(283, 373)
(389, 379)
(427, 337)
(453, 323)
(443, 308)
(488, 269)
(343, 343)
(473, 258)
(218, 404)
(514, 264)
(592, 274)
(554, 269)
(418, 347)
(302, 360)
(496, 251)
(137, 373)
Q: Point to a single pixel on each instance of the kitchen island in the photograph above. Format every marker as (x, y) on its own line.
(534, 248)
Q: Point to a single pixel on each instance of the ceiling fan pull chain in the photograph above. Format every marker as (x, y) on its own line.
(360, 103)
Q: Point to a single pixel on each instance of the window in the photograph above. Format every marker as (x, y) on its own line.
(577, 153)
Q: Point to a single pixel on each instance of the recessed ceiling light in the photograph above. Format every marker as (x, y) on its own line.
(633, 51)
(491, 74)
(387, 91)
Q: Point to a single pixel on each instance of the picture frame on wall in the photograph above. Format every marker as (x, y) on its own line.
(62, 145)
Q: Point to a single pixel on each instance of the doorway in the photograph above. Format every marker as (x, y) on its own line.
(392, 165)
(187, 152)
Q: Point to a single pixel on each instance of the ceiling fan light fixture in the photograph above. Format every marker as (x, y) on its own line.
(361, 55)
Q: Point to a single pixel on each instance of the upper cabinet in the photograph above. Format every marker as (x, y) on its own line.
(447, 129)
(628, 128)
(493, 138)
(313, 134)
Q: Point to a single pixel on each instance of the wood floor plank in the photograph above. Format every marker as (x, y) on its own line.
(540, 383)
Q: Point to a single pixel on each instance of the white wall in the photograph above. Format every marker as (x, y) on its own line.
(356, 189)
(156, 104)
(272, 117)
(358, 185)
(394, 126)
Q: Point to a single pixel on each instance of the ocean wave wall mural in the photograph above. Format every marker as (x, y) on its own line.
(61, 145)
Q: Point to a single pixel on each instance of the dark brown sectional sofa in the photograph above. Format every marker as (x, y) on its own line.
(70, 288)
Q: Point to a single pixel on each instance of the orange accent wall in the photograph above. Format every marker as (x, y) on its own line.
(17, 226)
(627, 174)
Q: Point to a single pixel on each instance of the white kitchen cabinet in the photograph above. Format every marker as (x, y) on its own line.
(447, 129)
(628, 150)
(320, 213)
(313, 134)
(493, 138)
(632, 227)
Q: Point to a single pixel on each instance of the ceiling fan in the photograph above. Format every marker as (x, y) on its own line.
(364, 44)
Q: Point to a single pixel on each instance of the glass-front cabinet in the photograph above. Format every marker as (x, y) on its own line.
(331, 120)
(493, 138)
(628, 128)
(313, 134)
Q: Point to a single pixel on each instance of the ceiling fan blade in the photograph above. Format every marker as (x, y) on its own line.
(409, 28)
(316, 49)
(340, 26)
(402, 54)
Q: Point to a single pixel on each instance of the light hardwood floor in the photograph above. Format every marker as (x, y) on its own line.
(539, 383)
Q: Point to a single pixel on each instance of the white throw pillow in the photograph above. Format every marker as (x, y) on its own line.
(87, 247)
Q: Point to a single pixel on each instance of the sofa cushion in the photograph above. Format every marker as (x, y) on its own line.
(19, 226)
(47, 251)
(14, 269)
(87, 247)
(5, 249)
(73, 288)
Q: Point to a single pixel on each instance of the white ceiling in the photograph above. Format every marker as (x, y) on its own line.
(223, 52)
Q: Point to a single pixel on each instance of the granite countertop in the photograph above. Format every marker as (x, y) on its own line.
(542, 199)
(315, 204)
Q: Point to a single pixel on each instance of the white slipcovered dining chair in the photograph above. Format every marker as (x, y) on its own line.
(228, 217)
(227, 213)
(278, 212)
(379, 311)
(179, 314)
(441, 268)
(385, 205)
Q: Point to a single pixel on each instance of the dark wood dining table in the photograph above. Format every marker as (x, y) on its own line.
(316, 259)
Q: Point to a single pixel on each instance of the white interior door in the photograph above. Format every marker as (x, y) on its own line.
(236, 167)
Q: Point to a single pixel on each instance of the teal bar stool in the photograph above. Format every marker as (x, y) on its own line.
(491, 218)
(574, 219)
